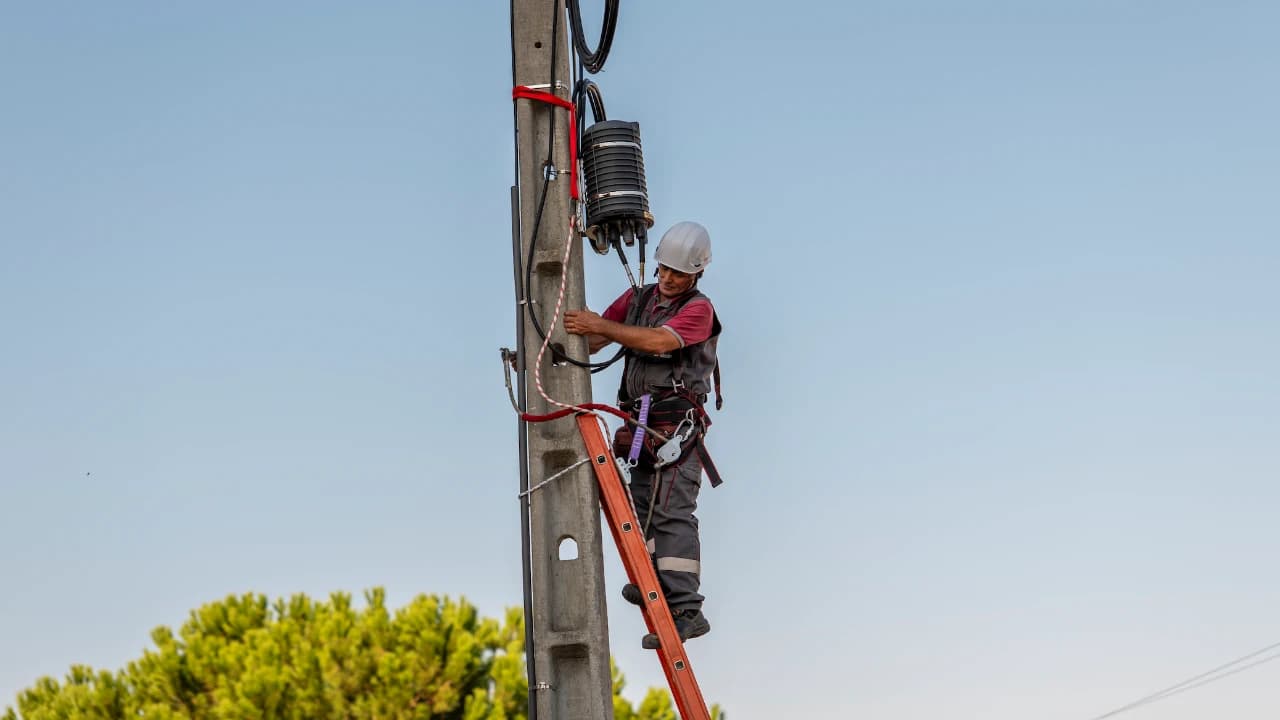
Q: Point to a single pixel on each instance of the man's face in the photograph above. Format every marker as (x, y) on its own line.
(672, 283)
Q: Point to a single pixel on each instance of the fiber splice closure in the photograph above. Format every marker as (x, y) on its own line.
(617, 198)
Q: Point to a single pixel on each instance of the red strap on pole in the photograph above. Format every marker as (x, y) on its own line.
(528, 93)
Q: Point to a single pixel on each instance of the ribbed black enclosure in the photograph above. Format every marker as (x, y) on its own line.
(617, 198)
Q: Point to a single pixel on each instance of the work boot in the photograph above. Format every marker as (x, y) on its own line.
(632, 594)
(690, 623)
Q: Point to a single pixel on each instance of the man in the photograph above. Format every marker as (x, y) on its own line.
(670, 331)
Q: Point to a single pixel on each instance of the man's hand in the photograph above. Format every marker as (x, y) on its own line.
(582, 322)
(585, 322)
(601, 332)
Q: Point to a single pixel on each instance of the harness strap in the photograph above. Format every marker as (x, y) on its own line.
(715, 374)
(708, 466)
(637, 440)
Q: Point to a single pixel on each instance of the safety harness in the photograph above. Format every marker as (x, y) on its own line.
(676, 412)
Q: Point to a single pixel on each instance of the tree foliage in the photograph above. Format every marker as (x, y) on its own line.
(300, 659)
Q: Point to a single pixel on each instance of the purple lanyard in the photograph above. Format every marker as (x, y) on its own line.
(637, 439)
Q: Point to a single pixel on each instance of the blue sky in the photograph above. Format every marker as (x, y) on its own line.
(999, 288)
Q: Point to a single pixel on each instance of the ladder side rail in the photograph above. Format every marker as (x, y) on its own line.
(627, 534)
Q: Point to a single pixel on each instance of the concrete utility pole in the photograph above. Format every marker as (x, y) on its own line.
(570, 653)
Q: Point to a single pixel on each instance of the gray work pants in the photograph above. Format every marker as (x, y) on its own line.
(672, 532)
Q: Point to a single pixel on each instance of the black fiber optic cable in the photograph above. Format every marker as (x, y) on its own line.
(593, 60)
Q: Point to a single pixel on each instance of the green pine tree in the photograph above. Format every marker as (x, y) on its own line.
(245, 658)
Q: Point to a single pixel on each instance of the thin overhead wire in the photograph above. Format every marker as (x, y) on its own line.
(1204, 678)
(1240, 669)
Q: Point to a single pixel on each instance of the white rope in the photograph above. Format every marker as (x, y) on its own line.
(555, 317)
(565, 471)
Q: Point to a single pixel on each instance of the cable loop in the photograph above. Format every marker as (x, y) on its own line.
(593, 60)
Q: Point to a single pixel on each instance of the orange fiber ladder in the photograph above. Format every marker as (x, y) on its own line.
(635, 557)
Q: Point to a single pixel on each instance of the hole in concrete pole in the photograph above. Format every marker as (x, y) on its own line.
(568, 548)
(558, 354)
(553, 461)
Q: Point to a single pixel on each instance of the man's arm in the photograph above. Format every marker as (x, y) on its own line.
(654, 341)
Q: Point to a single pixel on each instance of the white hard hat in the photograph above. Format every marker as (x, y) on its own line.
(685, 247)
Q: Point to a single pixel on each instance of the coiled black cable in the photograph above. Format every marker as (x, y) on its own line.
(593, 60)
(585, 92)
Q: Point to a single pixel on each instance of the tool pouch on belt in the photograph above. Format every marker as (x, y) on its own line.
(649, 447)
(622, 441)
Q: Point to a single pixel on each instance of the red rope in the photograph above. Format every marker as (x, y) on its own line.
(527, 417)
(522, 91)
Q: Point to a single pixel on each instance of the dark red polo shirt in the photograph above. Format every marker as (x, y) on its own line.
(691, 325)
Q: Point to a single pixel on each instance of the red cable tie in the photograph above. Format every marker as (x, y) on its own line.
(528, 93)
